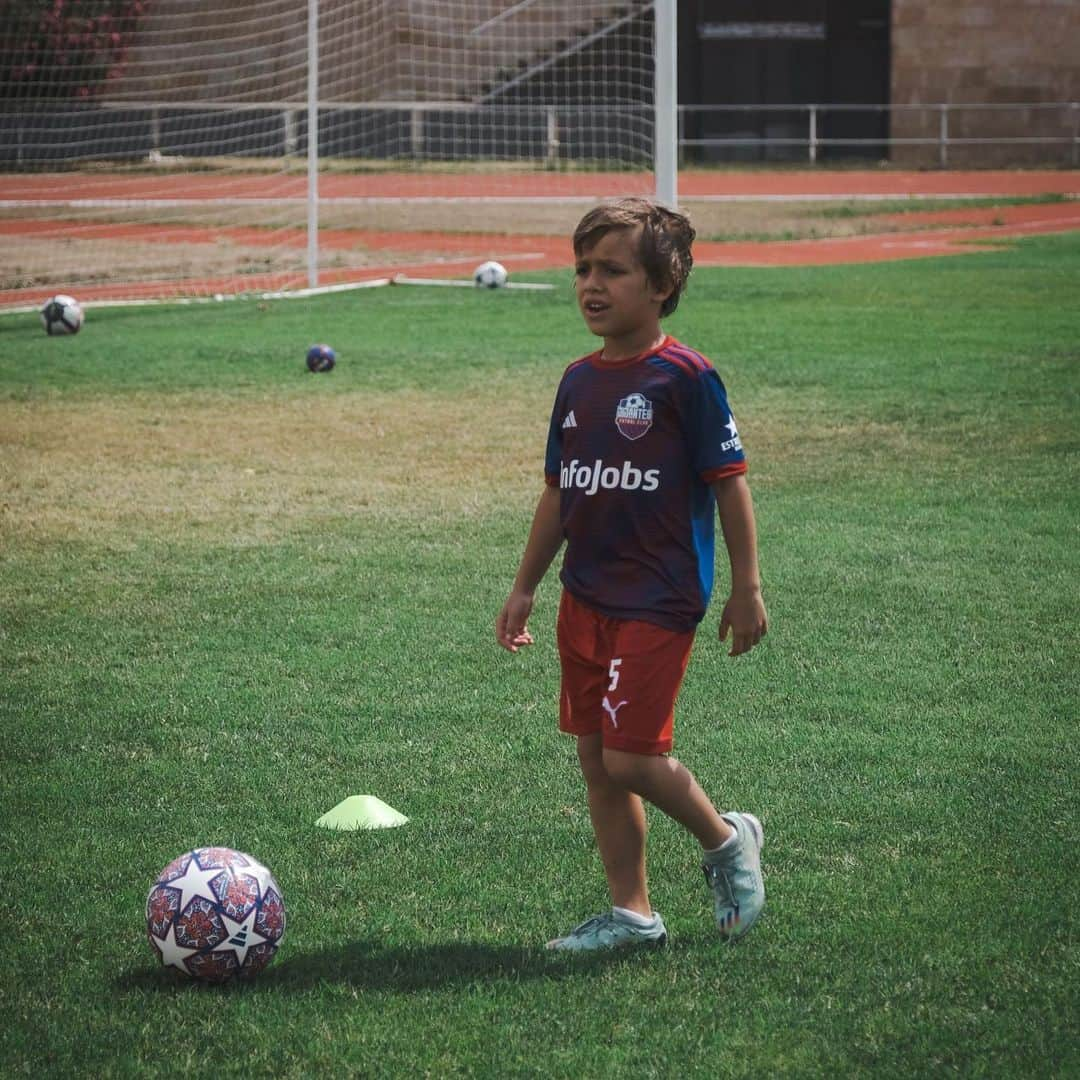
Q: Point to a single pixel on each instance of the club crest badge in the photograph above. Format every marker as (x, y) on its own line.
(633, 416)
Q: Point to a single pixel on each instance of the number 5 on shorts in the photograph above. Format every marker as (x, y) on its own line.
(613, 671)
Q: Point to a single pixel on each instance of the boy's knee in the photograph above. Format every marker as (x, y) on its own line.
(591, 759)
(623, 768)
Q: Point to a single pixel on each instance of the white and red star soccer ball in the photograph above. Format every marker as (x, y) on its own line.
(215, 913)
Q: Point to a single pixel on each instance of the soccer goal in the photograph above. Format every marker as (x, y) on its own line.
(165, 148)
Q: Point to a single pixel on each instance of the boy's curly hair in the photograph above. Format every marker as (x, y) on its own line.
(664, 249)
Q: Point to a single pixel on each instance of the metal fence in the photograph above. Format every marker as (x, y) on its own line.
(54, 135)
(810, 132)
(45, 136)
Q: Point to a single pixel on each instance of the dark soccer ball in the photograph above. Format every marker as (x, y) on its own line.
(215, 914)
(61, 315)
(321, 358)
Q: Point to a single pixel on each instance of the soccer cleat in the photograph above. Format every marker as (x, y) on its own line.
(611, 931)
(735, 877)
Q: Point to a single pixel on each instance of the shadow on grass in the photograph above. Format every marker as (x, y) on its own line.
(403, 968)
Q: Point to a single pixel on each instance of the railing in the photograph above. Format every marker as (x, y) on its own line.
(931, 125)
(548, 134)
(400, 131)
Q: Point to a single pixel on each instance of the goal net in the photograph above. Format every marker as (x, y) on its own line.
(166, 148)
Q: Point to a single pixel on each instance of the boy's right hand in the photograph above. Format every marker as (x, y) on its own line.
(510, 629)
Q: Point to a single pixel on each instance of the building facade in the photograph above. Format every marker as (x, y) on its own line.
(979, 59)
(934, 82)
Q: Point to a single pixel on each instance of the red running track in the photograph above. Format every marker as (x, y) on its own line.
(45, 187)
(453, 255)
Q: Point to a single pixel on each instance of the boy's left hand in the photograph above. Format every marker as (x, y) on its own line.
(744, 615)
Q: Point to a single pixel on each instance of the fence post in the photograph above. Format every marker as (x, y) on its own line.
(288, 121)
(813, 134)
(416, 132)
(943, 138)
(1075, 133)
(552, 138)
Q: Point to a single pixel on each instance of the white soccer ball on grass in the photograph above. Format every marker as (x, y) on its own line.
(62, 315)
(490, 275)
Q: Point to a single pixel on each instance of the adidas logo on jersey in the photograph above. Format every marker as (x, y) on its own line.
(570, 421)
(590, 478)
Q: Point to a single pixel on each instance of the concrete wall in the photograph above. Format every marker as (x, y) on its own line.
(998, 52)
(428, 50)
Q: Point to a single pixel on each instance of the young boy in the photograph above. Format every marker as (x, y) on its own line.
(640, 446)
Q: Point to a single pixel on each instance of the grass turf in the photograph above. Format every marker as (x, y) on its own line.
(232, 593)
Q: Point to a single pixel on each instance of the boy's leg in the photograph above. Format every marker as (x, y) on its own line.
(732, 843)
(618, 821)
(670, 787)
(617, 815)
(630, 672)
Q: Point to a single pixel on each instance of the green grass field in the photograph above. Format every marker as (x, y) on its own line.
(233, 593)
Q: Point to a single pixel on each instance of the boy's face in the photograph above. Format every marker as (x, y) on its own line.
(616, 298)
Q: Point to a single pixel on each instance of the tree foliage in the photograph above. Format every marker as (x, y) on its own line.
(64, 49)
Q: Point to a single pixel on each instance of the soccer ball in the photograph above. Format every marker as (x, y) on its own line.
(215, 913)
(490, 275)
(62, 315)
(321, 358)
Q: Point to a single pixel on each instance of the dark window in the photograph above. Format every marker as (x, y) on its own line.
(784, 52)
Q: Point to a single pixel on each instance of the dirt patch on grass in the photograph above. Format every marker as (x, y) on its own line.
(58, 261)
(258, 470)
(60, 253)
(254, 471)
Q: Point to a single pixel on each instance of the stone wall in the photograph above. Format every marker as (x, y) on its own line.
(985, 52)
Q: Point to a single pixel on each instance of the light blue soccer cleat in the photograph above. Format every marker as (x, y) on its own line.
(735, 877)
(611, 931)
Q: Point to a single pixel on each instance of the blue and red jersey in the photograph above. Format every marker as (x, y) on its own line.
(633, 448)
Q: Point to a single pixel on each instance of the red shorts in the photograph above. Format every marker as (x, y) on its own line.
(620, 677)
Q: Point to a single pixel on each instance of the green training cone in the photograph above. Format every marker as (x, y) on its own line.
(361, 812)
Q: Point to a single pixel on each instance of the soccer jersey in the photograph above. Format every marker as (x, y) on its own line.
(633, 447)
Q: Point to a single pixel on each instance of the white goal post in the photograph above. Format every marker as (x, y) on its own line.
(200, 148)
(665, 94)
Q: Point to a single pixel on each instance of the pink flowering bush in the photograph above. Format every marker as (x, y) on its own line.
(63, 49)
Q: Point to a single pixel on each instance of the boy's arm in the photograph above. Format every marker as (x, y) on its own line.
(545, 539)
(744, 612)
